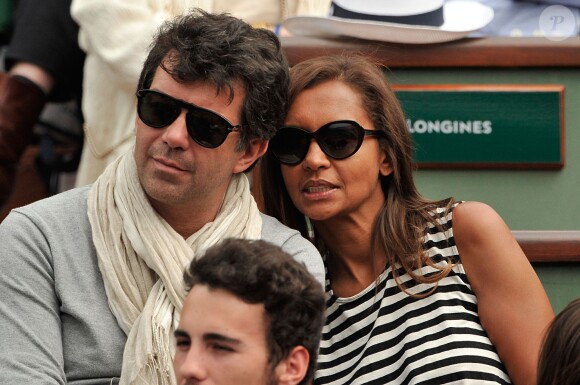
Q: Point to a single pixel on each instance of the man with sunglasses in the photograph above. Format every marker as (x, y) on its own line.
(92, 278)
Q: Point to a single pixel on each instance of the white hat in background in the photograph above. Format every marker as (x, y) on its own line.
(395, 21)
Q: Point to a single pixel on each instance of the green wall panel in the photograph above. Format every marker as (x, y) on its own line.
(526, 199)
(561, 282)
(489, 127)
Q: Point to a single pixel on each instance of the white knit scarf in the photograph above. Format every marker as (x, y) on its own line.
(142, 260)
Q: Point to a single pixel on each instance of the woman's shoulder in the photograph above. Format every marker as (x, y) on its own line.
(467, 225)
(483, 239)
(473, 218)
(465, 212)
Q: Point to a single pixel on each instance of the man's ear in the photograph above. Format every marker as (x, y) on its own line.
(256, 148)
(292, 369)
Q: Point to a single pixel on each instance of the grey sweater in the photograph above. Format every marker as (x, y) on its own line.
(55, 322)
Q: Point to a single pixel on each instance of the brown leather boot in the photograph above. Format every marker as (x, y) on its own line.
(21, 102)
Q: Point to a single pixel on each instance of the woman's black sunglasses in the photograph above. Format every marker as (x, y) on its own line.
(338, 140)
(206, 127)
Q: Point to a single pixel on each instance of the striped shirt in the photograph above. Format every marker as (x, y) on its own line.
(384, 336)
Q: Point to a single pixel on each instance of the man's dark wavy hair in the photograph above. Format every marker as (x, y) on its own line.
(222, 49)
(259, 272)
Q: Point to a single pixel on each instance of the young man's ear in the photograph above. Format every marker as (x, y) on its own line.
(256, 148)
(292, 369)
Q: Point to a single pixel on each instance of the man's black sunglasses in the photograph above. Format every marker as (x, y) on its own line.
(338, 140)
(206, 127)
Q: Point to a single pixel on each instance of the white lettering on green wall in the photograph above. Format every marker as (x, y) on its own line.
(474, 127)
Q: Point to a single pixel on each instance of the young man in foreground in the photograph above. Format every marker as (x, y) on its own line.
(253, 315)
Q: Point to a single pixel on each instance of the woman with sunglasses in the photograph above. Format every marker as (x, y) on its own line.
(418, 291)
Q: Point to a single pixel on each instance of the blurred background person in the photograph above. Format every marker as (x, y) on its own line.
(43, 64)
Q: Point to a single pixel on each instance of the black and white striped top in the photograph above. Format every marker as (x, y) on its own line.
(384, 336)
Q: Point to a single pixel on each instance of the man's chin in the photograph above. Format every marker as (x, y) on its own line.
(161, 192)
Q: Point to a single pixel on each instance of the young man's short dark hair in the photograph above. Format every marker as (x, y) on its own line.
(259, 272)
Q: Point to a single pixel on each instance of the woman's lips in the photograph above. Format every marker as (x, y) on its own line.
(320, 189)
(316, 190)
